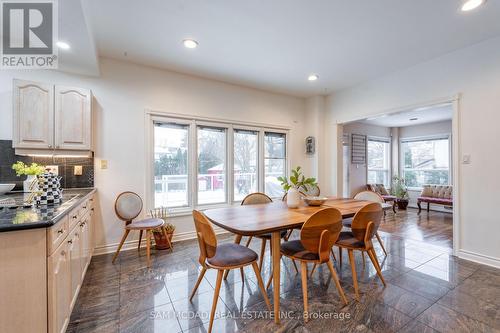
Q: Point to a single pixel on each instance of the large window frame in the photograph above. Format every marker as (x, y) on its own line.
(193, 123)
(388, 158)
(402, 167)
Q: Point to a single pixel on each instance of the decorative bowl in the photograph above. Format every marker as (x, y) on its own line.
(314, 201)
(4, 188)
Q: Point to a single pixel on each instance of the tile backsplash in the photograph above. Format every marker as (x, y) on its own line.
(66, 166)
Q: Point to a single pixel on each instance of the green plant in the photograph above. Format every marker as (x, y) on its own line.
(31, 170)
(297, 180)
(399, 188)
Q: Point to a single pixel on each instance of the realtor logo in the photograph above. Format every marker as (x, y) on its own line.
(29, 33)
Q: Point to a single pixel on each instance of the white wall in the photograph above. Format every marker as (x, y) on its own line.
(474, 72)
(122, 93)
(358, 172)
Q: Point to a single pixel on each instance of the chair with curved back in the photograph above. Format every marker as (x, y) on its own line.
(369, 196)
(317, 237)
(222, 257)
(256, 199)
(364, 226)
(128, 206)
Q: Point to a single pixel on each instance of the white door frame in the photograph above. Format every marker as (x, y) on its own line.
(456, 153)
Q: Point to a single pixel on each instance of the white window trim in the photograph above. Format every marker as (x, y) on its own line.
(389, 169)
(441, 136)
(193, 122)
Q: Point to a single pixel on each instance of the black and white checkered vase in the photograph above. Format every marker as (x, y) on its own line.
(50, 189)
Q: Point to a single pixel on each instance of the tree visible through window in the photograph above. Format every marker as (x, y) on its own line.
(426, 162)
(379, 161)
(274, 162)
(245, 163)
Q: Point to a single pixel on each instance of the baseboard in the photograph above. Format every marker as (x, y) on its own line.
(479, 258)
(132, 244)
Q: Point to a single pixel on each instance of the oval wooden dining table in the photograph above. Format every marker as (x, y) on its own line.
(251, 220)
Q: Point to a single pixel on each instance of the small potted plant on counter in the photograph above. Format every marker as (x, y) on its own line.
(294, 185)
(162, 242)
(31, 171)
(400, 191)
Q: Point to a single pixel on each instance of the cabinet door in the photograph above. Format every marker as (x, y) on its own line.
(75, 263)
(84, 244)
(73, 118)
(59, 289)
(33, 115)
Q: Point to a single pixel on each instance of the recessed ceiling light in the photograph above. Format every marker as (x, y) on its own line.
(63, 45)
(190, 43)
(413, 119)
(313, 77)
(472, 4)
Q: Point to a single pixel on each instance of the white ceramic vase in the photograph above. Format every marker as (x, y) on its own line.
(293, 198)
(27, 183)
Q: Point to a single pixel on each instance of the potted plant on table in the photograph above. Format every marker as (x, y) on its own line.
(293, 186)
(162, 242)
(31, 171)
(400, 191)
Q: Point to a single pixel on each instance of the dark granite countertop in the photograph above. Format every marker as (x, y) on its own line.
(38, 216)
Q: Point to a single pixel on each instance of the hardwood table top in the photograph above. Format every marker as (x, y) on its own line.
(250, 220)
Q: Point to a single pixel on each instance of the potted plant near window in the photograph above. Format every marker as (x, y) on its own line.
(400, 191)
(31, 171)
(293, 186)
(161, 241)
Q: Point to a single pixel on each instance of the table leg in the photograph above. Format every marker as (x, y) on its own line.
(275, 245)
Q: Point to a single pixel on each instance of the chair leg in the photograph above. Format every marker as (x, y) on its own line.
(312, 270)
(295, 266)
(121, 244)
(242, 275)
(363, 257)
(428, 207)
(289, 233)
(200, 277)
(216, 297)
(394, 206)
(261, 285)
(148, 246)
(340, 256)
(380, 242)
(237, 240)
(303, 271)
(140, 239)
(270, 279)
(333, 254)
(248, 241)
(353, 270)
(374, 260)
(262, 252)
(168, 240)
(419, 207)
(336, 280)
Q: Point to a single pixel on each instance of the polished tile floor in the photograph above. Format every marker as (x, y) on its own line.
(428, 290)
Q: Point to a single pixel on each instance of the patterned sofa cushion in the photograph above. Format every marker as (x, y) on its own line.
(437, 191)
(378, 188)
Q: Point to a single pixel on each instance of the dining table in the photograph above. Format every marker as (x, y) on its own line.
(274, 217)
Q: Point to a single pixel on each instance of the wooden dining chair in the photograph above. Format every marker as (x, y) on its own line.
(255, 199)
(222, 257)
(364, 226)
(317, 237)
(369, 196)
(128, 205)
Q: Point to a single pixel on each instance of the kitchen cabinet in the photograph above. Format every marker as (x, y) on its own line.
(75, 257)
(51, 117)
(59, 288)
(33, 115)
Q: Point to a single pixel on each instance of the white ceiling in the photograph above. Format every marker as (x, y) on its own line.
(424, 115)
(275, 45)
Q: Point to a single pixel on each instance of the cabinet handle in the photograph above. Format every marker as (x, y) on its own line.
(74, 216)
(82, 224)
(91, 199)
(70, 241)
(60, 231)
(92, 209)
(84, 207)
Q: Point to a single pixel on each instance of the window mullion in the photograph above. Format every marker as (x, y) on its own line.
(193, 145)
(230, 164)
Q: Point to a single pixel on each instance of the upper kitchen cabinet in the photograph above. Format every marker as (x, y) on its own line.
(73, 118)
(51, 119)
(33, 115)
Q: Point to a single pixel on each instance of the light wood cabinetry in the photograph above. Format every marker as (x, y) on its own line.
(73, 118)
(51, 117)
(42, 271)
(33, 115)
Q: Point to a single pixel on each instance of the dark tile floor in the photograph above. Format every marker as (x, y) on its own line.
(428, 290)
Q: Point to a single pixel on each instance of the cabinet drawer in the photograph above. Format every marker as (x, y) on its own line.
(56, 234)
(74, 217)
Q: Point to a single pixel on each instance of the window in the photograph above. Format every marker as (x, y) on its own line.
(211, 165)
(196, 164)
(245, 163)
(426, 161)
(379, 160)
(274, 162)
(171, 165)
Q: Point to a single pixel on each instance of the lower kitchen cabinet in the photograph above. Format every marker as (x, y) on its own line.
(59, 288)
